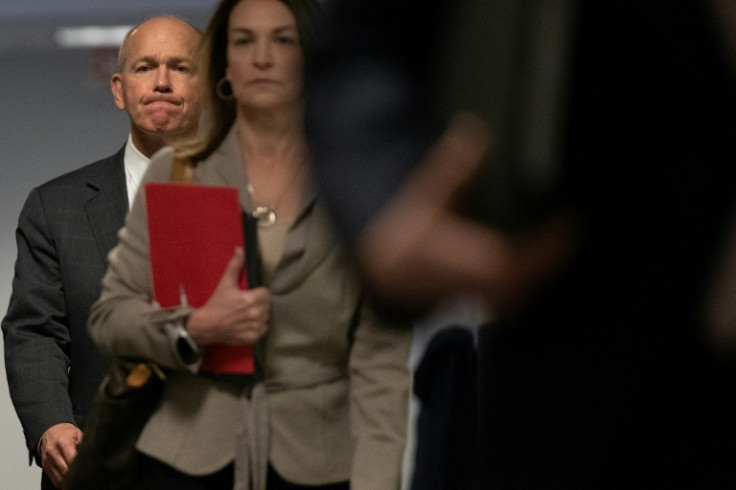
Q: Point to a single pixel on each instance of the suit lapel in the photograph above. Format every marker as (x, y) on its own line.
(107, 204)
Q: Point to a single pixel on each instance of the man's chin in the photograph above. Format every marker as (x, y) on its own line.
(165, 130)
(161, 120)
(166, 126)
(162, 126)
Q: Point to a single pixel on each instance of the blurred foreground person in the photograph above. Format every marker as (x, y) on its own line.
(598, 375)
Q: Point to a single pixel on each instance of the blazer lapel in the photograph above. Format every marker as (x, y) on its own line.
(309, 240)
(107, 204)
(226, 166)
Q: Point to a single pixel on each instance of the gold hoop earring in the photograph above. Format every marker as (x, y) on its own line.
(219, 89)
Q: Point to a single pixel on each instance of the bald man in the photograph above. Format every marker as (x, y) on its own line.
(65, 231)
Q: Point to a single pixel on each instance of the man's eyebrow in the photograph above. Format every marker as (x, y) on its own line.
(180, 59)
(156, 60)
(144, 59)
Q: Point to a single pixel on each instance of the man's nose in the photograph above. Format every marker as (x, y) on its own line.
(163, 81)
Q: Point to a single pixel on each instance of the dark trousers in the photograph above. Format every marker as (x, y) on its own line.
(158, 476)
(46, 482)
(275, 482)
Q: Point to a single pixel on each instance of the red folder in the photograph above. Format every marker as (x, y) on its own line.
(193, 231)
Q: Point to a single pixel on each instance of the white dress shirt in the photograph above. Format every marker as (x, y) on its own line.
(136, 164)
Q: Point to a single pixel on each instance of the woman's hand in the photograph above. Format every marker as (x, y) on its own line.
(231, 315)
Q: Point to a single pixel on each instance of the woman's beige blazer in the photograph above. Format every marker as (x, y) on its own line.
(336, 379)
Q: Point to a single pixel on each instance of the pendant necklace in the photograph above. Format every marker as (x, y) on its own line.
(266, 215)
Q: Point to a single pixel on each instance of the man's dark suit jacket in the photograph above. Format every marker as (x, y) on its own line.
(65, 231)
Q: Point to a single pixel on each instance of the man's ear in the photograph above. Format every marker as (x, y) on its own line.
(116, 84)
